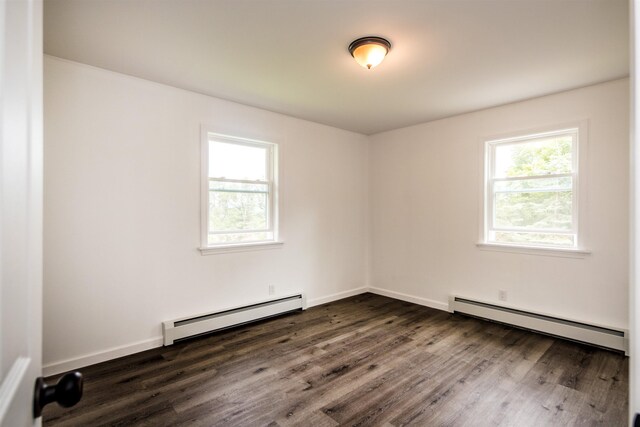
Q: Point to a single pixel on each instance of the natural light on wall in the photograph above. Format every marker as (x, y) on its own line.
(531, 190)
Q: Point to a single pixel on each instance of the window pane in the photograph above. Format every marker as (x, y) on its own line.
(537, 210)
(238, 187)
(546, 239)
(547, 184)
(543, 156)
(260, 236)
(236, 211)
(237, 161)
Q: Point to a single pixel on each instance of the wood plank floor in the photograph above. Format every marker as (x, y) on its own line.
(362, 361)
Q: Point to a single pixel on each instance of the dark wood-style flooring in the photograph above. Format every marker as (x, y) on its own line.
(362, 361)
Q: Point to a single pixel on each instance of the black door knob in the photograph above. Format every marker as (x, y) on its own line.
(67, 392)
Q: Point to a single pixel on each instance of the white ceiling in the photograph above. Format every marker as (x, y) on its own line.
(290, 56)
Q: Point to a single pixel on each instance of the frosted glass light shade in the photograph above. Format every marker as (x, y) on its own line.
(369, 51)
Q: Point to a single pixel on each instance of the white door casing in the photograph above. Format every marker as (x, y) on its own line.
(20, 208)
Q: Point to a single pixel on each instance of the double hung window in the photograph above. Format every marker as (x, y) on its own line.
(239, 191)
(531, 190)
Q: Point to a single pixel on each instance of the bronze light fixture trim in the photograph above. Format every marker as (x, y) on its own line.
(369, 51)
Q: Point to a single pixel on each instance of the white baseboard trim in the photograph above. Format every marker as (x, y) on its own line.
(58, 367)
(55, 368)
(336, 296)
(444, 306)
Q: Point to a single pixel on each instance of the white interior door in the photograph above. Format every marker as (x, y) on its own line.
(20, 208)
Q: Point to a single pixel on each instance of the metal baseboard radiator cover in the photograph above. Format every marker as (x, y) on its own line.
(187, 327)
(616, 339)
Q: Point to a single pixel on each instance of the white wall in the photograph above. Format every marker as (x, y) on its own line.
(425, 198)
(122, 210)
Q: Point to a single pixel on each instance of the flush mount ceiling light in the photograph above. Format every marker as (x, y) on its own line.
(369, 51)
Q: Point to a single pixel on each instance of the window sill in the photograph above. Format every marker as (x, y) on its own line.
(239, 247)
(531, 250)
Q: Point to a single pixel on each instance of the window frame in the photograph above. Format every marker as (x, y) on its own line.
(578, 174)
(272, 182)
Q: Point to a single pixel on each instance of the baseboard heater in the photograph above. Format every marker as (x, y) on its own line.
(178, 329)
(577, 331)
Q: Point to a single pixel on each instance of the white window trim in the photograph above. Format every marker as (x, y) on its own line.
(579, 191)
(274, 196)
(534, 250)
(240, 247)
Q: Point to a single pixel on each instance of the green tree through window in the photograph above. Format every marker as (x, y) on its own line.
(533, 191)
